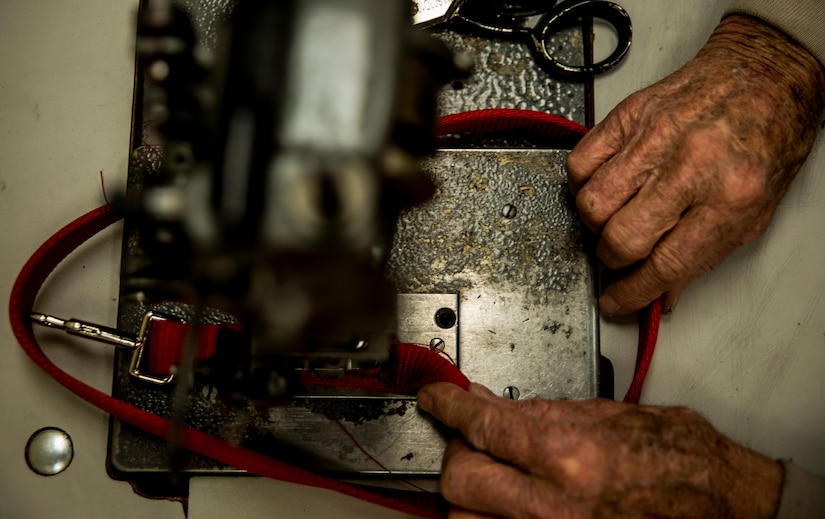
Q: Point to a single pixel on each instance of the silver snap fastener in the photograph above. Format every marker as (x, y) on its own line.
(49, 451)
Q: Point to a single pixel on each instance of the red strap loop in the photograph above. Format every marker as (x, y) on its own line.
(552, 129)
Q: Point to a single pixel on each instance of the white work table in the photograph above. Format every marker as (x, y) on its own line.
(745, 346)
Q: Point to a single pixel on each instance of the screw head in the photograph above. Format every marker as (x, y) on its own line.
(437, 344)
(276, 385)
(508, 211)
(511, 393)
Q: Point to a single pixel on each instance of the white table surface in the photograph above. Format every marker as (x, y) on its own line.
(746, 345)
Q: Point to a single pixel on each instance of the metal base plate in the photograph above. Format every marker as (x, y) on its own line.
(503, 234)
(500, 245)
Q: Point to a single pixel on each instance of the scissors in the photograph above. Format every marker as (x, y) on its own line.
(535, 21)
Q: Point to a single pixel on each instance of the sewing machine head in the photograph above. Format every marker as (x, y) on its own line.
(290, 147)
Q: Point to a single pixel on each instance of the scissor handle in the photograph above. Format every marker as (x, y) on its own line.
(561, 15)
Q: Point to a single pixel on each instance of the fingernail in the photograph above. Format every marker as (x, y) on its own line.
(609, 305)
(481, 390)
(425, 400)
(670, 306)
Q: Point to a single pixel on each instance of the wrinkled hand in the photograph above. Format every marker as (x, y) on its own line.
(682, 173)
(596, 458)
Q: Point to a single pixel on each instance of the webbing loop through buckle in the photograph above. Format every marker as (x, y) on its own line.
(135, 343)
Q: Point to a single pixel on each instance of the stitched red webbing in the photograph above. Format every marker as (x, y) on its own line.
(409, 367)
(167, 338)
(25, 289)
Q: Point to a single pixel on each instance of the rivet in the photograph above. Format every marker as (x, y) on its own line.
(511, 393)
(49, 451)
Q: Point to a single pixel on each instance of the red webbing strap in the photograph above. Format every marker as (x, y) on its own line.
(167, 338)
(563, 133)
(23, 294)
(409, 367)
(649, 318)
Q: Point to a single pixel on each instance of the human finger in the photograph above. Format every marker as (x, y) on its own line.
(485, 423)
(471, 479)
(481, 390)
(457, 512)
(633, 230)
(692, 248)
(612, 186)
(570, 411)
(593, 150)
(555, 410)
(567, 411)
(671, 300)
(565, 451)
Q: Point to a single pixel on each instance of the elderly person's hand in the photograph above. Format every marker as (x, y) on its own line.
(683, 172)
(596, 458)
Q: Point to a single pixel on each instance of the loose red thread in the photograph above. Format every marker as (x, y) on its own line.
(103, 187)
(370, 456)
(146, 143)
(444, 352)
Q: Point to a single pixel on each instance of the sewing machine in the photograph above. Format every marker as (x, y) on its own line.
(292, 197)
(66, 107)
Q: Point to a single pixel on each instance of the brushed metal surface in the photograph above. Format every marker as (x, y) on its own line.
(525, 283)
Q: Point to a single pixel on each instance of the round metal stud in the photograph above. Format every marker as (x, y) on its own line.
(49, 451)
